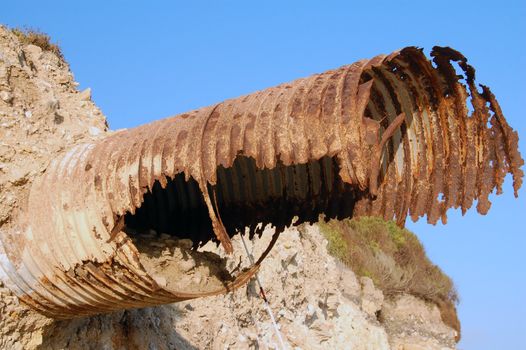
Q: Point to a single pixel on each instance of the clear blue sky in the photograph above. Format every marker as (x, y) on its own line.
(145, 62)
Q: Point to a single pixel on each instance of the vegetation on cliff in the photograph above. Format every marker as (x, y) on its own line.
(35, 37)
(394, 259)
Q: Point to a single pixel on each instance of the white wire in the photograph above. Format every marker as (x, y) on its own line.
(267, 306)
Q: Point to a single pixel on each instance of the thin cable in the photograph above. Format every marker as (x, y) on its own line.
(264, 297)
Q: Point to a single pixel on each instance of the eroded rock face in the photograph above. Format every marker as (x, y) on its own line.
(41, 115)
(304, 285)
(318, 302)
(415, 324)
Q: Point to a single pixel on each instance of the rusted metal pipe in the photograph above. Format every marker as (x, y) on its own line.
(391, 136)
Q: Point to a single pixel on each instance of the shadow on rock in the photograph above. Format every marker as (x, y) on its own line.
(149, 328)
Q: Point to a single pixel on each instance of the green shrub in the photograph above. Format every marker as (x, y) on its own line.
(336, 246)
(394, 259)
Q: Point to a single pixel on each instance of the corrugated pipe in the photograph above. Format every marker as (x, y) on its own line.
(392, 136)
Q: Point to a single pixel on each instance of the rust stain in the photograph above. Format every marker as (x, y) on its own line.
(392, 136)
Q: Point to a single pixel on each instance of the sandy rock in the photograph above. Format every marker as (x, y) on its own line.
(85, 95)
(414, 322)
(33, 51)
(6, 96)
(19, 177)
(52, 104)
(94, 131)
(305, 299)
(372, 298)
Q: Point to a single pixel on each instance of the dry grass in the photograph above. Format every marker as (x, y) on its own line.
(394, 259)
(36, 37)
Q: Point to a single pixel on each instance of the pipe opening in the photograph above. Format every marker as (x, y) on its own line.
(173, 222)
(247, 197)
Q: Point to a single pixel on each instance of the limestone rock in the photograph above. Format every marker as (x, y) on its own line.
(372, 298)
(34, 51)
(6, 96)
(85, 95)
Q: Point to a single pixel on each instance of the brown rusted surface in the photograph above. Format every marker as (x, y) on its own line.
(392, 136)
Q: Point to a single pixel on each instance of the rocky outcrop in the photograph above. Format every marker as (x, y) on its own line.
(318, 302)
(41, 115)
(414, 324)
